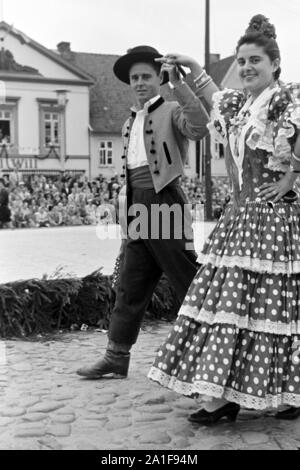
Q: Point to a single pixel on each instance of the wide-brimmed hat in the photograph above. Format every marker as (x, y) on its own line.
(134, 55)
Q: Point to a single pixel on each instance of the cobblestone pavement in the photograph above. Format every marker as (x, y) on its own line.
(45, 405)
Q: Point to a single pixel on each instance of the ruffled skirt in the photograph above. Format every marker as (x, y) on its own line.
(237, 335)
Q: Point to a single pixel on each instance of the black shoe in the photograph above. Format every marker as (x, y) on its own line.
(230, 411)
(290, 413)
(114, 364)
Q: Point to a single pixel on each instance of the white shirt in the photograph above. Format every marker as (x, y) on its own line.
(136, 155)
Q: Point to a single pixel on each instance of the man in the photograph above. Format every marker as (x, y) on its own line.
(155, 150)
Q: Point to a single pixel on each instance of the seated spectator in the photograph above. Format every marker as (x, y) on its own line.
(73, 200)
(73, 197)
(106, 213)
(26, 214)
(90, 209)
(81, 210)
(55, 217)
(61, 208)
(17, 219)
(72, 215)
(42, 217)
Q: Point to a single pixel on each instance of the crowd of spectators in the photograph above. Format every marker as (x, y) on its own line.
(194, 189)
(50, 201)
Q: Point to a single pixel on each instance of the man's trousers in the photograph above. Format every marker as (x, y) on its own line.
(165, 245)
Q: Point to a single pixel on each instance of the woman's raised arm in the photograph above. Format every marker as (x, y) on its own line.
(205, 85)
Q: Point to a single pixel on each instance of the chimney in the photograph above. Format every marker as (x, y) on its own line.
(64, 48)
(213, 58)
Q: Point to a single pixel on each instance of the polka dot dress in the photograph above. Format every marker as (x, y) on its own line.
(237, 335)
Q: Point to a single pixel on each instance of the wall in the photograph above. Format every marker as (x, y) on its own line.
(24, 54)
(107, 171)
(77, 115)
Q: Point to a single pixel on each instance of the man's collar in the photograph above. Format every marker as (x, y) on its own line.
(150, 106)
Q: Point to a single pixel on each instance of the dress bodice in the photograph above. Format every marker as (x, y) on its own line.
(267, 133)
(255, 173)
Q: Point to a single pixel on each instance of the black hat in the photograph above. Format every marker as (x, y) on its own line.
(134, 55)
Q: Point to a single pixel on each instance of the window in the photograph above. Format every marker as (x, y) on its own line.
(5, 126)
(51, 126)
(105, 153)
(8, 122)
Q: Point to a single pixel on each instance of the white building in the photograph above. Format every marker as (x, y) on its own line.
(44, 130)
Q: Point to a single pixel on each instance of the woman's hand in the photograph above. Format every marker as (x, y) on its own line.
(172, 72)
(181, 59)
(276, 191)
(176, 59)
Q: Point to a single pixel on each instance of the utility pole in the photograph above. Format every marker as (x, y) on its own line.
(207, 156)
(1, 10)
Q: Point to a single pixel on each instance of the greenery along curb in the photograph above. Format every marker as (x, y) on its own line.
(45, 305)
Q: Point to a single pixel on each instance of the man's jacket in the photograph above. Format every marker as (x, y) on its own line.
(167, 128)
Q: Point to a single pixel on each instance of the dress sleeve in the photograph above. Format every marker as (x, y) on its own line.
(226, 105)
(284, 111)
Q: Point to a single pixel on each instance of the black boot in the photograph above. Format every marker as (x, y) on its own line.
(230, 411)
(288, 414)
(115, 363)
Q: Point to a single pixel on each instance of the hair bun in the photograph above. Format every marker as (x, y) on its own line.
(261, 24)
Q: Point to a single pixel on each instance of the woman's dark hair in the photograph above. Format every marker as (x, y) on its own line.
(263, 34)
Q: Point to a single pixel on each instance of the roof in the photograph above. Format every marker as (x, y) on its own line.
(110, 99)
(218, 70)
(10, 29)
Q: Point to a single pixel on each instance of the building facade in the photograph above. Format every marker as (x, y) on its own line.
(44, 109)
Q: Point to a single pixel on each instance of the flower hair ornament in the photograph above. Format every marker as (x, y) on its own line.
(260, 24)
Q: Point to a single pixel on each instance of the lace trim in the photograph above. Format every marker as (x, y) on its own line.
(275, 165)
(217, 391)
(261, 135)
(244, 323)
(217, 117)
(250, 264)
(282, 153)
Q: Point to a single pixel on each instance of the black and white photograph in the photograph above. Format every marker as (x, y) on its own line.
(149, 228)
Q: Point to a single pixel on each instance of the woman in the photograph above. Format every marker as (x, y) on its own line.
(235, 340)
